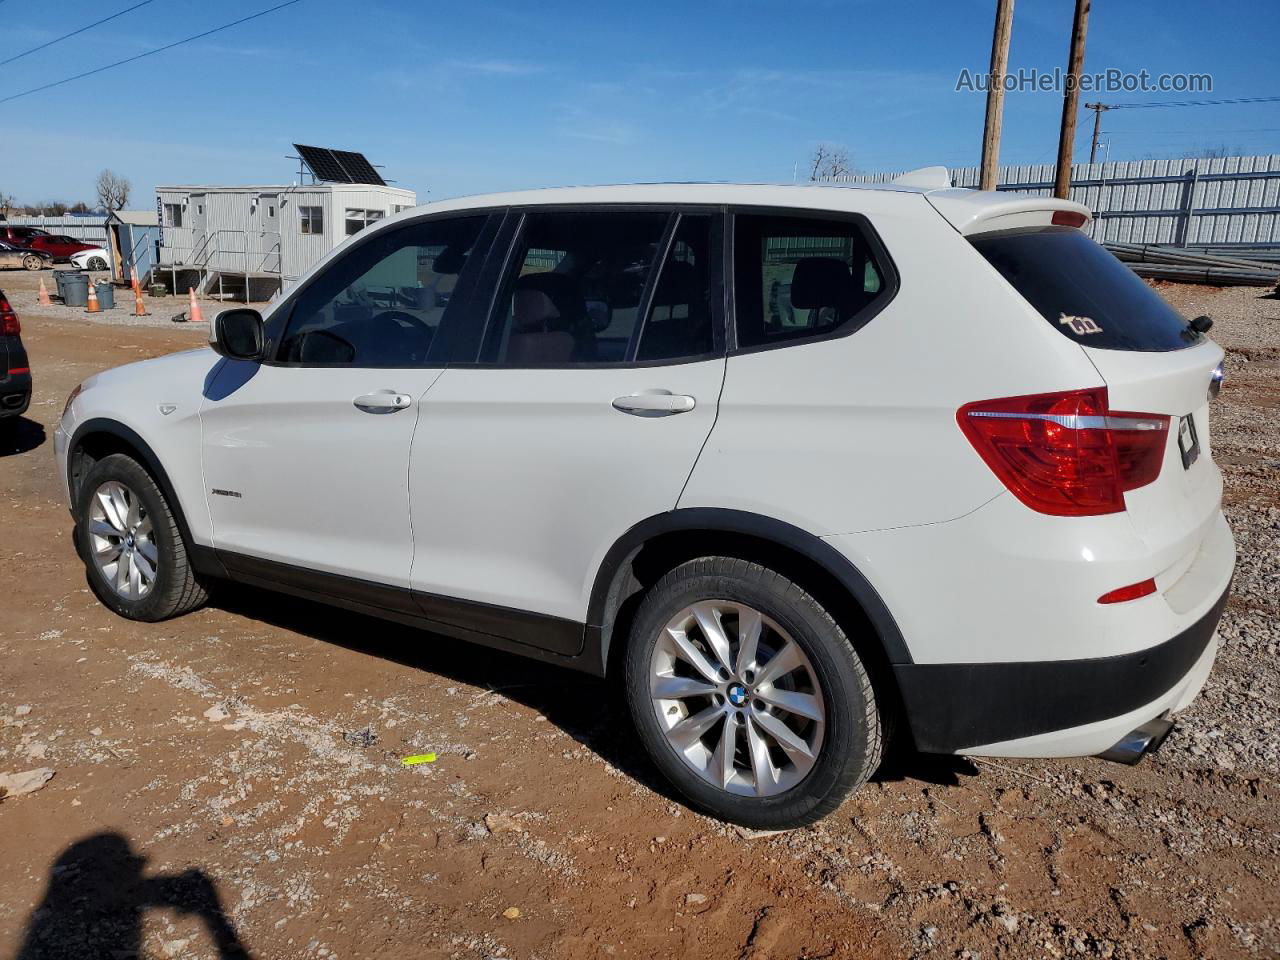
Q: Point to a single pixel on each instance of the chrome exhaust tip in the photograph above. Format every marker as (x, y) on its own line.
(1137, 743)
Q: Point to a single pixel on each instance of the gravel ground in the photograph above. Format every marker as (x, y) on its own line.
(250, 752)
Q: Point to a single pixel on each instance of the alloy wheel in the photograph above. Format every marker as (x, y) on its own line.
(122, 541)
(737, 698)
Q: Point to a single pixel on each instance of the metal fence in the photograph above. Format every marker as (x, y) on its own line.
(90, 229)
(1203, 201)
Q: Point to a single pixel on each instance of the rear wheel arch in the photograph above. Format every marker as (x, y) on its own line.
(658, 544)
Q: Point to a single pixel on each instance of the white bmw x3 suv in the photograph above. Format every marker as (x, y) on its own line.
(795, 461)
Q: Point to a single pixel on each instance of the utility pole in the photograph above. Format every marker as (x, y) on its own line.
(1070, 99)
(1097, 109)
(995, 94)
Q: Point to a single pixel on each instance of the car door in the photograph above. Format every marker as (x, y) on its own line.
(306, 456)
(591, 392)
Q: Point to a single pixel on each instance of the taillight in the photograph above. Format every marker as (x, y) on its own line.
(1068, 218)
(9, 325)
(1065, 453)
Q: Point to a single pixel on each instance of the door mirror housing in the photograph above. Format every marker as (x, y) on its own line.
(238, 334)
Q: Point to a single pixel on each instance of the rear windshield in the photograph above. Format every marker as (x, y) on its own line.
(1084, 291)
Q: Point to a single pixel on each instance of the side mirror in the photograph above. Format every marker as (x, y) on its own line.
(238, 334)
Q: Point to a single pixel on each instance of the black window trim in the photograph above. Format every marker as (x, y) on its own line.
(889, 274)
(516, 220)
(282, 316)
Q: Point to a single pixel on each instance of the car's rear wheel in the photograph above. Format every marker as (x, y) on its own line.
(97, 263)
(132, 548)
(749, 696)
(32, 262)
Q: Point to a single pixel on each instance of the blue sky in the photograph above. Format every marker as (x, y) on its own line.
(466, 98)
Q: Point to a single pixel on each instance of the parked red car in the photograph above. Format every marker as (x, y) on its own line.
(20, 236)
(62, 248)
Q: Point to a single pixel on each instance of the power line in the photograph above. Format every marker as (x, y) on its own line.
(149, 53)
(67, 36)
(1191, 103)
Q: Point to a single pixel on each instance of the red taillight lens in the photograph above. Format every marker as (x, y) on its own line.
(9, 325)
(1068, 218)
(1132, 592)
(1066, 454)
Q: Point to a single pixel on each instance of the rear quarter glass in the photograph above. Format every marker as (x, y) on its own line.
(1083, 291)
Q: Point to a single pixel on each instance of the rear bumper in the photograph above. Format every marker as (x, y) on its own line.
(15, 395)
(1053, 708)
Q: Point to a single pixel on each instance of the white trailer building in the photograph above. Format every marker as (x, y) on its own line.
(247, 243)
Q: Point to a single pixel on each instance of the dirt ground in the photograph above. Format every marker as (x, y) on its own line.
(229, 783)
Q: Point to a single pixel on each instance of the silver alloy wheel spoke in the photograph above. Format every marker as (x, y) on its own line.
(801, 704)
(693, 656)
(722, 759)
(676, 688)
(708, 618)
(737, 698)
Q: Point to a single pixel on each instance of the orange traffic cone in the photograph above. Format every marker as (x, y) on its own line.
(139, 308)
(92, 306)
(43, 299)
(194, 315)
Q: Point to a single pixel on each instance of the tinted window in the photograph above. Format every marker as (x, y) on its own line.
(382, 304)
(680, 319)
(1084, 291)
(574, 292)
(799, 277)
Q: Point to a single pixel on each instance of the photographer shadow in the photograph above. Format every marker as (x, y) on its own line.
(97, 896)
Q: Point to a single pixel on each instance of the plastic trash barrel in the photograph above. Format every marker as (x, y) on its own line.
(75, 290)
(106, 294)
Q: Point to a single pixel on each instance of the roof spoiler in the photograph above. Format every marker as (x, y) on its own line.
(982, 211)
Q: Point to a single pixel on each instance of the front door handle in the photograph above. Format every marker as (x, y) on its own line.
(383, 401)
(654, 403)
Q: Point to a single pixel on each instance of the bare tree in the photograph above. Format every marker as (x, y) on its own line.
(829, 161)
(113, 191)
(54, 208)
(7, 203)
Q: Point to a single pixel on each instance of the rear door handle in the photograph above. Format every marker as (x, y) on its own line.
(383, 401)
(654, 403)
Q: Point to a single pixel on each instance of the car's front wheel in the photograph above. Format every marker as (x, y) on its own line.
(132, 548)
(97, 263)
(749, 696)
(32, 262)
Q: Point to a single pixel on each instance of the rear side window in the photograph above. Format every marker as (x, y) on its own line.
(1085, 292)
(800, 277)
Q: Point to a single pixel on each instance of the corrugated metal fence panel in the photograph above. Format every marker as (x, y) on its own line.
(1201, 200)
(89, 229)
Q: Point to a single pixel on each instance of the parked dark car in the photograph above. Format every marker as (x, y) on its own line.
(15, 371)
(26, 258)
(62, 248)
(20, 236)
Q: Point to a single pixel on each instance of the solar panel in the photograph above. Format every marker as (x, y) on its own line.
(338, 166)
(359, 168)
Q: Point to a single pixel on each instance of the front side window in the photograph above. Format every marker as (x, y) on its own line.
(173, 215)
(573, 295)
(801, 277)
(358, 219)
(383, 303)
(312, 220)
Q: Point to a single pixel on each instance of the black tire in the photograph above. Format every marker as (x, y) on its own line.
(852, 743)
(97, 263)
(33, 263)
(176, 589)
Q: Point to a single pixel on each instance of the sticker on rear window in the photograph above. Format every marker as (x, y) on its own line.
(1079, 325)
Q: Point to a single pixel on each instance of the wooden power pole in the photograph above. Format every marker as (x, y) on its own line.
(1070, 100)
(1097, 109)
(995, 95)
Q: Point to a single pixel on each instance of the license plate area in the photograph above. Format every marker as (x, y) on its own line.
(1188, 441)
